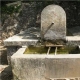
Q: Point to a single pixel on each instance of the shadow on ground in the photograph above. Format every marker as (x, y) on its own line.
(6, 74)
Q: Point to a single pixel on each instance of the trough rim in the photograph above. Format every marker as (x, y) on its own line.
(19, 54)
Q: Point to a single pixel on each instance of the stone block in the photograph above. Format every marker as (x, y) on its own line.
(44, 67)
(53, 23)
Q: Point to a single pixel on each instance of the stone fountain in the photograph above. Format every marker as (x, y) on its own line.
(44, 66)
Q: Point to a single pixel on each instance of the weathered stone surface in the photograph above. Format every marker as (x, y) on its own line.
(56, 15)
(44, 67)
(73, 40)
(28, 37)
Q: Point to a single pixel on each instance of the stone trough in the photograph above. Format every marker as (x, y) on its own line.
(44, 66)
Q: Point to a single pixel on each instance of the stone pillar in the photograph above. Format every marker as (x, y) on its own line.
(10, 51)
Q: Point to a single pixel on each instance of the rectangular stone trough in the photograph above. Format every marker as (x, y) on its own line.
(41, 66)
(44, 67)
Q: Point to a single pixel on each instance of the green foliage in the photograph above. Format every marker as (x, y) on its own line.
(10, 9)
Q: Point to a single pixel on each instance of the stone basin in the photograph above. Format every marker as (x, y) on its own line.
(43, 66)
